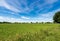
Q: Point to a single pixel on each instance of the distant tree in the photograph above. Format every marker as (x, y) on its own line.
(36, 22)
(56, 17)
(42, 22)
(6, 22)
(16, 22)
(31, 22)
(48, 22)
(1, 22)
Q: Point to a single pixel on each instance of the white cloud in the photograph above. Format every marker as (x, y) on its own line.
(27, 8)
(17, 5)
(50, 14)
(48, 4)
(24, 17)
(8, 19)
(50, 1)
(6, 5)
(46, 17)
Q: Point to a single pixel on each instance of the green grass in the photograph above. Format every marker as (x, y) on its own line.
(29, 32)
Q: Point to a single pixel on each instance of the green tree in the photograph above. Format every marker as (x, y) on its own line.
(56, 17)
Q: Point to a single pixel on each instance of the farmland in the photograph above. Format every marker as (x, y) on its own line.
(29, 32)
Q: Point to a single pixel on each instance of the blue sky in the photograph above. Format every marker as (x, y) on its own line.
(28, 10)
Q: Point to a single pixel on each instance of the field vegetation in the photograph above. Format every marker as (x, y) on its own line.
(30, 32)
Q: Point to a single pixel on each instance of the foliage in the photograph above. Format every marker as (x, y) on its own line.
(56, 17)
(5, 22)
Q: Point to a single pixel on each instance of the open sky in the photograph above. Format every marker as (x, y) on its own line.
(28, 10)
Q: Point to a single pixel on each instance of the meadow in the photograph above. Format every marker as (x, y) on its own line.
(29, 32)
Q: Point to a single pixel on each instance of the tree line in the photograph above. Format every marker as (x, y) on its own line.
(26, 22)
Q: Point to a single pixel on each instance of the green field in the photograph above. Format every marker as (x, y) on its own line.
(29, 32)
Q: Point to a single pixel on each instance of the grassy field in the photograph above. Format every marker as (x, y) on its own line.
(29, 32)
